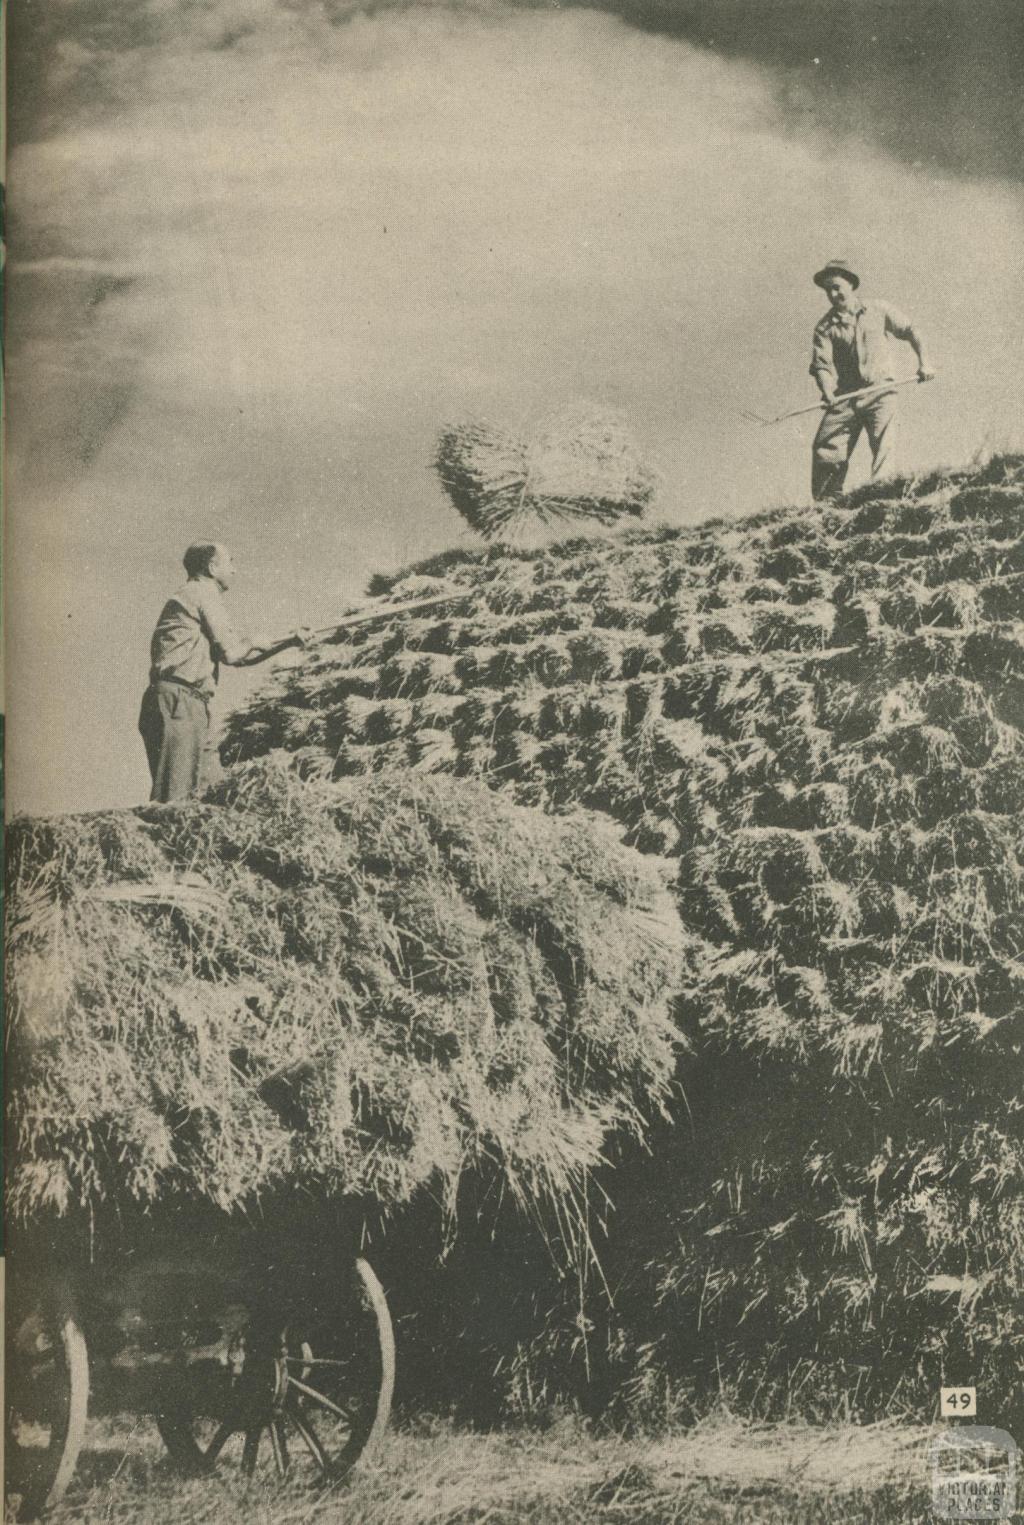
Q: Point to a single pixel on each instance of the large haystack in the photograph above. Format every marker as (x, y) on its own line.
(819, 714)
(363, 989)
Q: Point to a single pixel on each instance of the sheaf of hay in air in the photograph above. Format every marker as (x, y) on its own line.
(819, 715)
(581, 464)
(364, 989)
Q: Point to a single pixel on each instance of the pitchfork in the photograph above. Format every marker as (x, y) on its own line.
(816, 407)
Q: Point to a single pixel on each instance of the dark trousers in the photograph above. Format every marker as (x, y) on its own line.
(174, 722)
(838, 433)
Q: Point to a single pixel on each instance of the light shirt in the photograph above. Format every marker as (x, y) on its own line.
(852, 348)
(191, 636)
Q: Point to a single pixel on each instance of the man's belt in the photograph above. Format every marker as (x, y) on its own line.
(863, 386)
(159, 677)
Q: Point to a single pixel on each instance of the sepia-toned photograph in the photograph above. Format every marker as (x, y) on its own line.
(514, 762)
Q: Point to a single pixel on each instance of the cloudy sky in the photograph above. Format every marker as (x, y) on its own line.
(262, 252)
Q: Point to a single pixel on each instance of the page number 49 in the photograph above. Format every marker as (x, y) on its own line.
(958, 1402)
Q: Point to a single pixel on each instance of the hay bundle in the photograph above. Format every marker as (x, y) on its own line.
(365, 989)
(582, 464)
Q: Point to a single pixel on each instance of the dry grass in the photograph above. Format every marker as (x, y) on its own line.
(434, 1475)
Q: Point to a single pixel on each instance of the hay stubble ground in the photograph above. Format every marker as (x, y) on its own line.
(719, 1473)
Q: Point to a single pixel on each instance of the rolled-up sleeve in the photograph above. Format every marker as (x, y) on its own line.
(897, 323)
(822, 361)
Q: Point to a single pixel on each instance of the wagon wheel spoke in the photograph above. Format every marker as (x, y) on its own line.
(314, 1396)
(279, 1444)
(315, 1361)
(304, 1426)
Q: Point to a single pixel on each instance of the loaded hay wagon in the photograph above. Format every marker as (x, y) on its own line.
(245, 1031)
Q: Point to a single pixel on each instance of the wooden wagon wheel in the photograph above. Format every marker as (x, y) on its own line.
(47, 1399)
(319, 1393)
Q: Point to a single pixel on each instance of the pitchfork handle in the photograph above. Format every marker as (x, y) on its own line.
(837, 402)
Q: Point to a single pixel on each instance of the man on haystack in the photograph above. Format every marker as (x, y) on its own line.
(851, 351)
(193, 636)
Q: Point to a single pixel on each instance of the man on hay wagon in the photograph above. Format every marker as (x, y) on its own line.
(193, 636)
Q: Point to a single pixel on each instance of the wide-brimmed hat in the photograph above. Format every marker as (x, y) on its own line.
(836, 267)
